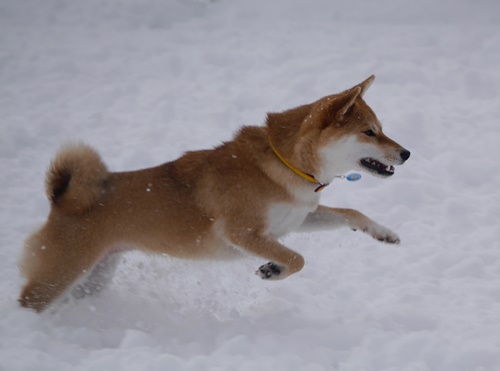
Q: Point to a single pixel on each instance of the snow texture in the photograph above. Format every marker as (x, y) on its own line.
(144, 81)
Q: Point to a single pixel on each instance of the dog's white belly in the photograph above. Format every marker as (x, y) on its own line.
(286, 218)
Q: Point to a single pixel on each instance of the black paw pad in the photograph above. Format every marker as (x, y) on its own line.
(268, 270)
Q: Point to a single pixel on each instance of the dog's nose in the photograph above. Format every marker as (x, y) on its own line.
(405, 154)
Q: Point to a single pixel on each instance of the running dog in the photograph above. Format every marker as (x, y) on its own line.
(238, 198)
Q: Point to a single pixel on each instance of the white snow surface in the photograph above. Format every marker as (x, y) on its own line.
(145, 81)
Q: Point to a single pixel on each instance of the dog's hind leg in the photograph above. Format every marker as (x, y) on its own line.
(328, 218)
(51, 266)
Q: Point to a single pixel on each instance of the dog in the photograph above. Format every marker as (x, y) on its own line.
(238, 198)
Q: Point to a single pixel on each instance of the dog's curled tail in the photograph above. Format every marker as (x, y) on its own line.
(76, 178)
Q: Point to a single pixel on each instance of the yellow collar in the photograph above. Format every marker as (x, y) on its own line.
(308, 177)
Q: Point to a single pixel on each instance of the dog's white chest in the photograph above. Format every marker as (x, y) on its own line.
(286, 218)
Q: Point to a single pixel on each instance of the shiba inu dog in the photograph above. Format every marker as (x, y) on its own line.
(238, 198)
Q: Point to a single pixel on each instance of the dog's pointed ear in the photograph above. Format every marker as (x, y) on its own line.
(346, 100)
(365, 85)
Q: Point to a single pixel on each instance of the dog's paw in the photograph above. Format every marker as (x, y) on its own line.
(382, 234)
(269, 271)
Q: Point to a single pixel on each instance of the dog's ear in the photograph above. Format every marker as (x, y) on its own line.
(365, 85)
(348, 97)
(345, 101)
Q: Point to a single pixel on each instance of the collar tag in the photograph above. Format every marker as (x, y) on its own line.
(350, 177)
(353, 177)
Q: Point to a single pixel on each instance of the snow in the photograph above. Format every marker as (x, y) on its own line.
(144, 81)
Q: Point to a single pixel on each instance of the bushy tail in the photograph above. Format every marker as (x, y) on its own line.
(75, 179)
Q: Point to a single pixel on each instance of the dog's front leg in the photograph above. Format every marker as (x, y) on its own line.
(327, 218)
(283, 261)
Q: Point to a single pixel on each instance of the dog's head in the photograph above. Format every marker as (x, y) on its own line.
(351, 136)
(335, 134)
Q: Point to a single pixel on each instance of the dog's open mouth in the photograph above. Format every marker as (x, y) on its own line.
(377, 167)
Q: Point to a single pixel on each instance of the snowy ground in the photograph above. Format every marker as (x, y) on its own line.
(144, 81)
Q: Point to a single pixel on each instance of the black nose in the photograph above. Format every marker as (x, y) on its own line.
(405, 154)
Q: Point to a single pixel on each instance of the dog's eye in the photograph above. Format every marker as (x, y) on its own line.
(370, 133)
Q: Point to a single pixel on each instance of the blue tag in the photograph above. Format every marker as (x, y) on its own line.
(353, 177)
